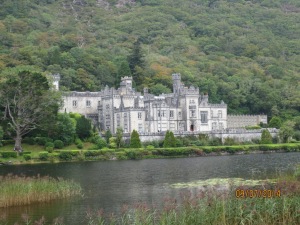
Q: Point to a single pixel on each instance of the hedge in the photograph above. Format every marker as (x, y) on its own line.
(10, 154)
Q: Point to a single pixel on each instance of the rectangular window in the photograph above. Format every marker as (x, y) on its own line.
(192, 113)
(220, 113)
(118, 120)
(140, 127)
(171, 113)
(221, 126)
(88, 103)
(179, 114)
(139, 115)
(203, 115)
(181, 126)
(172, 126)
(214, 125)
(74, 103)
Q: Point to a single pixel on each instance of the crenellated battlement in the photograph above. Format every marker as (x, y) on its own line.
(82, 94)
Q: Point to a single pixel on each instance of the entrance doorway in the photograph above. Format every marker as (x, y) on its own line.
(192, 127)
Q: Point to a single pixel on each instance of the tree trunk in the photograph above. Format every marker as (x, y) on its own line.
(18, 140)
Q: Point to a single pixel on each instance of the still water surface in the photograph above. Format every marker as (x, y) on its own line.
(111, 184)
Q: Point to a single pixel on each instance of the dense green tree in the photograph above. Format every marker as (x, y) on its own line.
(100, 143)
(250, 62)
(137, 63)
(169, 140)
(266, 137)
(107, 135)
(1, 135)
(65, 129)
(158, 89)
(286, 131)
(119, 137)
(275, 122)
(83, 127)
(135, 141)
(28, 100)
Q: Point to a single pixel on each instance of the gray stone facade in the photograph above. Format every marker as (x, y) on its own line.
(183, 110)
(241, 121)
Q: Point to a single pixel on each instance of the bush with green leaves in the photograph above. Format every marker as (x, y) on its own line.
(135, 141)
(42, 140)
(79, 145)
(43, 156)
(83, 127)
(29, 140)
(58, 144)
(266, 137)
(169, 140)
(65, 155)
(27, 157)
(100, 143)
(10, 154)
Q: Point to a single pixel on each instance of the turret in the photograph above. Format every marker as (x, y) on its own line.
(176, 77)
(56, 79)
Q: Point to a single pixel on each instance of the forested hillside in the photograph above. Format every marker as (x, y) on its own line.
(246, 53)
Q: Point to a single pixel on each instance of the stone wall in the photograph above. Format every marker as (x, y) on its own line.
(240, 121)
(240, 135)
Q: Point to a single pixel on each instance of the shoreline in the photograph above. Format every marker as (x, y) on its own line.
(59, 156)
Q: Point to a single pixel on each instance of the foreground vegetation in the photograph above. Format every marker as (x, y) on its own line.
(20, 190)
(210, 207)
(38, 154)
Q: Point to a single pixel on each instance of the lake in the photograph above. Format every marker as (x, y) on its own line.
(111, 184)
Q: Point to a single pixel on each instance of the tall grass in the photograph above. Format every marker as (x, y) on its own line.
(215, 207)
(211, 209)
(21, 190)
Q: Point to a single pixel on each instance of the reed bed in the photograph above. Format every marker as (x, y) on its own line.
(216, 210)
(215, 207)
(21, 190)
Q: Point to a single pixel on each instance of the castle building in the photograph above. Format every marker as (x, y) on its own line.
(183, 110)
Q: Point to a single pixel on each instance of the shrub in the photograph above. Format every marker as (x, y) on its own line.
(100, 143)
(121, 155)
(83, 127)
(8, 142)
(133, 154)
(215, 141)
(29, 140)
(92, 153)
(43, 156)
(58, 144)
(207, 150)
(266, 137)
(49, 144)
(27, 157)
(77, 141)
(9, 154)
(49, 149)
(42, 140)
(150, 147)
(65, 155)
(135, 141)
(169, 140)
(229, 141)
(80, 145)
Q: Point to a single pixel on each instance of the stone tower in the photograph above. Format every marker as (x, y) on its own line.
(56, 79)
(176, 77)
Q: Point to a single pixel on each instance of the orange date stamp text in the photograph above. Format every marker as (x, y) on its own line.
(257, 193)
